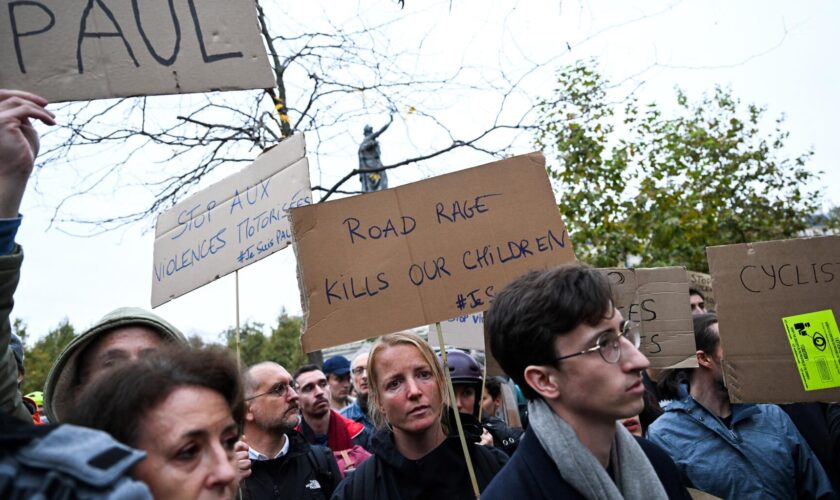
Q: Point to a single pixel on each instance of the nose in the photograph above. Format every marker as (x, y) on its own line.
(222, 473)
(413, 390)
(291, 394)
(632, 358)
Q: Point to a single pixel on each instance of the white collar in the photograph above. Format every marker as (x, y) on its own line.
(255, 455)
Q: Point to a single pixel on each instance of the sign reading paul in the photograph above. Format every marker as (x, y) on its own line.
(424, 252)
(69, 50)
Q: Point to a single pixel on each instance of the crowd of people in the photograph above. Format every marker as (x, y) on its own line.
(135, 412)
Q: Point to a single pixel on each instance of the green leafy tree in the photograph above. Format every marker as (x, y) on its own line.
(634, 182)
(281, 345)
(284, 344)
(251, 342)
(196, 342)
(830, 220)
(42, 355)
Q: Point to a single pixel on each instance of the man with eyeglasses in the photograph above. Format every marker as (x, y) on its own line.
(283, 464)
(559, 336)
(358, 411)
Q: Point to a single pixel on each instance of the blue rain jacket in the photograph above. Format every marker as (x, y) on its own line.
(761, 456)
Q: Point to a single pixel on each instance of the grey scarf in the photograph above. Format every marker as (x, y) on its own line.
(634, 475)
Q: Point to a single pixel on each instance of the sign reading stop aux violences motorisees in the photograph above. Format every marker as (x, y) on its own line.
(424, 252)
(68, 50)
(231, 224)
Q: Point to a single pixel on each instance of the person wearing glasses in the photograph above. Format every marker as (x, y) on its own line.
(358, 411)
(283, 464)
(732, 450)
(559, 336)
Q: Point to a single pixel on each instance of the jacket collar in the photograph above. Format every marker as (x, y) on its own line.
(689, 405)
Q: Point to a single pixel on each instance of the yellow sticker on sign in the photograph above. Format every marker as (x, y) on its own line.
(815, 342)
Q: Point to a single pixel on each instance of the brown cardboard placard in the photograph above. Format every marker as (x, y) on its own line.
(66, 50)
(703, 282)
(230, 224)
(424, 252)
(658, 299)
(465, 332)
(758, 286)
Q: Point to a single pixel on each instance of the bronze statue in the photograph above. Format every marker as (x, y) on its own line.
(369, 159)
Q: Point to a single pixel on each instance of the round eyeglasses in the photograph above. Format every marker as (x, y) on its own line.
(608, 344)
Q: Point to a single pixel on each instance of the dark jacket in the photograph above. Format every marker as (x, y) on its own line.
(505, 437)
(298, 474)
(532, 474)
(442, 474)
(811, 420)
(10, 397)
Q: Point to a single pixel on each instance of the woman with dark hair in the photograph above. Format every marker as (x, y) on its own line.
(415, 454)
(184, 408)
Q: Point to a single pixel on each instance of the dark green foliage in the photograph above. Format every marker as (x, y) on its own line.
(40, 357)
(634, 182)
(281, 345)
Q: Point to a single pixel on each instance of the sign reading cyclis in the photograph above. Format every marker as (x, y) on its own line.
(778, 303)
(68, 50)
(232, 223)
(424, 252)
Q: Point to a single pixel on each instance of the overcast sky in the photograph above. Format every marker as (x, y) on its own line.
(773, 53)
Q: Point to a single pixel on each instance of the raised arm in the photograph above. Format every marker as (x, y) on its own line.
(18, 149)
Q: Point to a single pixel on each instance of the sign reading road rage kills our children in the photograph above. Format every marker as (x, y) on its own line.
(231, 224)
(66, 50)
(777, 302)
(424, 252)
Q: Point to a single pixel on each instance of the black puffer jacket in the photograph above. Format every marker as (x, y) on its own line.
(504, 437)
(305, 472)
(442, 474)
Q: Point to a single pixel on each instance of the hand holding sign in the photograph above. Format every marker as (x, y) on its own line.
(18, 145)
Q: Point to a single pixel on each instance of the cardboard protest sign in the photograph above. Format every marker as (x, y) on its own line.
(703, 282)
(235, 222)
(778, 303)
(465, 332)
(658, 299)
(68, 50)
(424, 252)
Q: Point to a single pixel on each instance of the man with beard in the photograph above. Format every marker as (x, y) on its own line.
(320, 424)
(731, 450)
(358, 411)
(282, 462)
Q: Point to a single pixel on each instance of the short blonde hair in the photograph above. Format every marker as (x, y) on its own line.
(393, 340)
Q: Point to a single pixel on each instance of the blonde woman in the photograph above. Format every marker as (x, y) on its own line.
(415, 456)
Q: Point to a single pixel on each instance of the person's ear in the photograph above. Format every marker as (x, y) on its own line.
(249, 415)
(540, 378)
(703, 359)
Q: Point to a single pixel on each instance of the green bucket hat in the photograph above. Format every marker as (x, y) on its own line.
(59, 390)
